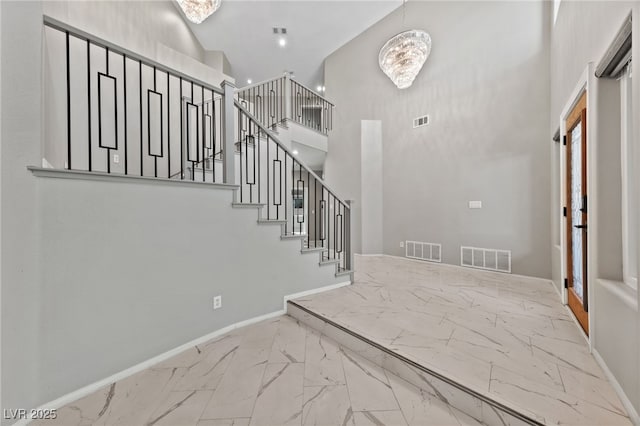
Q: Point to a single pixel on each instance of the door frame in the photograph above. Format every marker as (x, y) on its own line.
(586, 82)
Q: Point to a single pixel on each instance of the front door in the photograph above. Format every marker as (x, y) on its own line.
(576, 199)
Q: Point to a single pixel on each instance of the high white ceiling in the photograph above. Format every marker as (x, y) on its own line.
(315, 29)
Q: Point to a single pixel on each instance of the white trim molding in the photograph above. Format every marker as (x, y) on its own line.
(631, 411)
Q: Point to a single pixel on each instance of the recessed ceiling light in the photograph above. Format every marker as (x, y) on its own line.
(323, 88)
(248, 81)
(295, 152)
(282, 42)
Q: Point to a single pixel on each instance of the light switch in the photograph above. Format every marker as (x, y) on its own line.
(475, 204)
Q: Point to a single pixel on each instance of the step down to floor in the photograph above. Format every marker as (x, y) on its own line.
(480, 407)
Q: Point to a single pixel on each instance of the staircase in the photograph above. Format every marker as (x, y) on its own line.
(128, 115)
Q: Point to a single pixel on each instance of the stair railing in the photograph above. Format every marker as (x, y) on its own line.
(291, 193)
(110, 110)
(278, 100)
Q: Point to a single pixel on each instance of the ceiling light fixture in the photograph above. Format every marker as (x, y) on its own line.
(197, 11)
(403, 55)
(401, 58)
(282, 42)
(295, 152)
(319, 88)
(248, 81)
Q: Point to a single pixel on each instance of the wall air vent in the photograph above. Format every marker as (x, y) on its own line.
(483, 258)
(423, 251)
(279, 30)
(420, 121)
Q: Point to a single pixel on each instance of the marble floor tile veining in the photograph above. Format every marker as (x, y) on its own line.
(502, 336)
(273, 373)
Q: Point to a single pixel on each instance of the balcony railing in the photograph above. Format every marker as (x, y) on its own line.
(275, 101)
(111, 111)
(126, 114)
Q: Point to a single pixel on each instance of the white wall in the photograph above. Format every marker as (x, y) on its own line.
(486, 89)
(581, 34)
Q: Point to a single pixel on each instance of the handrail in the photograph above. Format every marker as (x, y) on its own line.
(291, 154)
(83, 35)
(260, 83)
(313, 91)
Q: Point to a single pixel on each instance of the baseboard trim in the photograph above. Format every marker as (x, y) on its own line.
(449, 265)
(89, 389)
(631, 410)
(313, 291)
(86, 390)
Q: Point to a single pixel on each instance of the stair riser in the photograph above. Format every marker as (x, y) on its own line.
(485, 411)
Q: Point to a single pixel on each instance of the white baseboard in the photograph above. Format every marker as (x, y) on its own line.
(466, 269)
(631, 411)
(89, 389)
(313, 291)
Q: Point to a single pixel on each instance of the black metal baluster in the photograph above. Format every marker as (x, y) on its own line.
(141, 135)
(126, 136)
(88, 104)
(168, 126)
(204, 135)
(286, 195)
(181, 134)
(268, 198)
(155, 158)
(240, 120)
(116, 111)
(193, 162)
(213, 133)
(68, 59)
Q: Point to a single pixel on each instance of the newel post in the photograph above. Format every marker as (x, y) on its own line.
(229, 149)
(349, 233)
(287, 97)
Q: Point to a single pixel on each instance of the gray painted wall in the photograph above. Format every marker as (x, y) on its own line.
(128, 270)
(131, 269)
(486, 89)
(582, 33)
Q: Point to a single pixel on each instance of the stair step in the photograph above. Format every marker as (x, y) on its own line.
(293, 236)
(329, 262)
(343, 272)
(312, 250)
(248, 205)
(480, 407)
(272, 221)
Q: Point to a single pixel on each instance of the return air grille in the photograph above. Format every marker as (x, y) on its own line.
(483, 258)
(423, 251)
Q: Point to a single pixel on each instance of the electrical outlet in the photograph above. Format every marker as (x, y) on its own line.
(217, 302)
(116, 158)
(401, 244)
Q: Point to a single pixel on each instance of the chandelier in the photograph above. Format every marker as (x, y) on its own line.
(401, 58)
(198, 10)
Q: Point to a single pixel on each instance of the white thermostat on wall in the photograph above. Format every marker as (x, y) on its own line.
(475, 204)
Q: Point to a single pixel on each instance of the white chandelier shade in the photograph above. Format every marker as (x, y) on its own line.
(197, 11)
(402, 57)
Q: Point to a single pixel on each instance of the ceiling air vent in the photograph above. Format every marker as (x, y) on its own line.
(420, 121)
(279, 30)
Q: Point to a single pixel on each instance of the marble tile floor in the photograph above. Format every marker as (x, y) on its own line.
(502, 336)
(276, 372)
